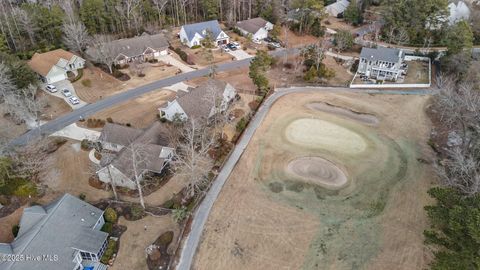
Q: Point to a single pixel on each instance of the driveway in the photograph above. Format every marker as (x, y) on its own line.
(65, 84)
(77, 133)
(178, 86)
(240, 54)
(169, 59)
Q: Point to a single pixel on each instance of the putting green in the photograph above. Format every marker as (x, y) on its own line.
(320, 134)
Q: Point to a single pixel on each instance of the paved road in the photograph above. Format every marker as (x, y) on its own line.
(201, 215)
(90, 109)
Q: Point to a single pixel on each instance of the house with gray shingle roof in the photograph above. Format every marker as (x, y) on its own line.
(257, 27)
(152, 147)
(193, 34)
(64, 234)
(143, 48)
(381, 63)
(201, 102)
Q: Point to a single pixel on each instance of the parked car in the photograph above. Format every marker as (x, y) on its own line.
(236, 44)
(275, 44)
(51, 88)
(268, 39)
(231, 46)
(256, 41)
(74, 100)
(225, 48)
(66, 93)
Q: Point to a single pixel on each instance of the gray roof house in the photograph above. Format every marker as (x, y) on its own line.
(381, 63)
(155, 151)
(257, 27)
(199, 102)
(144, 47)
(193, 34)
(64, 234)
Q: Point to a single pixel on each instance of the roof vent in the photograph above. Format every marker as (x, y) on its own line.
(83, 220)
(92, 213)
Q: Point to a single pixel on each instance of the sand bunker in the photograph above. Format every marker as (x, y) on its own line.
(316, 170)
(364, 118)
(316, 133)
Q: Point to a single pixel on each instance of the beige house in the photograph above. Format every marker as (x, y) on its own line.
(53, 66)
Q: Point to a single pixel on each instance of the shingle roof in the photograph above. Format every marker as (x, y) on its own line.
(337, 7)
(42, 63)
(196, 103)
(382, 54)
(119, 134)
(67, 224)
(252, 25)
(211, 26)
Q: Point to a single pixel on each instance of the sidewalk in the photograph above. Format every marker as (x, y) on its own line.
(77, 133)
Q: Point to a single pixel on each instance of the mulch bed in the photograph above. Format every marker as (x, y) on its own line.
(158, 257)
(131, 211)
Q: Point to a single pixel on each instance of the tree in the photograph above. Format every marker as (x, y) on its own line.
(179, 214)
(455, 229)
(459, 37)
(353, 13)
(94, 16)
(75, 36)
(343, 40)
(138, 157)
(193, 161)
(102, 52)
(258, 68)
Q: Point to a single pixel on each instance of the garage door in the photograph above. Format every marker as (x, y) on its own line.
(56, 78)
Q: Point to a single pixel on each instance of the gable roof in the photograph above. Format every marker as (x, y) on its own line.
(382, 54)
(67, 223)
(337, 7)
(198, 28)
(252, 25)
(118, 134)
(42, 63)
(196, 104)
(151, 143)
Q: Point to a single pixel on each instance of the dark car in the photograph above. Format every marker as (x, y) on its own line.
(231, 46)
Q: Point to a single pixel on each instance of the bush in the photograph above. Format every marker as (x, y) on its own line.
(15, 229)
(107, 227)
(196, 47)
(109, 251)
(82, 196)
(241, 125)
(87, 83)
(168, 204)
(109, 120)
(137, 212)
(183, 55)
(110, 215)
(25, 190)
(86, 145)
(78, 77)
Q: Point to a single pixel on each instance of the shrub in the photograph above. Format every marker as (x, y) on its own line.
(107, 227)
(109, 119)
(169, 204)
(82, 196)
(196, 47)
(15, 229)
(241, 125)
(165, 239)
(86, 145)
(109, 251)
(179, 214)
(137, 212)
(87, 83)
(78, 77)
(110, 215)
(25, 190)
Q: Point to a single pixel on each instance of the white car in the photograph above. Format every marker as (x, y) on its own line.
(66, 93)
(74, 100)
(256, 41)
(236, 44)
(275, 44)
(51, 88)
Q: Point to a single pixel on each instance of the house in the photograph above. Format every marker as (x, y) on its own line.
(257, 27)
(53, 66)
(458, 12)
(64, 234)
(143, 48)
(199, 102)
(193, 34)
(381, 63)
(337, 8)
(151, 147)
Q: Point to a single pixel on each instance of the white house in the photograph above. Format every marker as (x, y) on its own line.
(193, 34)
(53, 66)
(336, 9)
(144, 47)
(199, 103)
(157, 152)
(381, 63)
(257, 27)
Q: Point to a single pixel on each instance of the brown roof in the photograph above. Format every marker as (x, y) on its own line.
(42, 63)
(196, 103)
(252, 25)
(118, 134)
(150, 142)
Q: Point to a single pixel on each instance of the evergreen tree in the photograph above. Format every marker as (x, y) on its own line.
(353, 13)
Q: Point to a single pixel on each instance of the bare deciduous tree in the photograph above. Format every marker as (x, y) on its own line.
(75, 36)
(102, 52)
(6, 83)
(138, 159)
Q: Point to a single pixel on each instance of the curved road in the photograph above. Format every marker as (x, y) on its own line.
(201, 215)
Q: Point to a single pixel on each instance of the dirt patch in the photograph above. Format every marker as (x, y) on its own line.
(316, 170)
(265, 220)
(56, 107)
(365, 118)
(6, 224)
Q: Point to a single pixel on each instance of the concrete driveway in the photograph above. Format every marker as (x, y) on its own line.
(65, 84)
(77, 133)
(240, 54)
(169, 59)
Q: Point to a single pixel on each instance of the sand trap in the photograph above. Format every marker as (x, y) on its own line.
(316, 170)
(316, 133)
(364, 118)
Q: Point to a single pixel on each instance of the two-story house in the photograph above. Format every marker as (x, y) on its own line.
(53, 66)
(193, 34)
(381, 63)
(63, 235)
